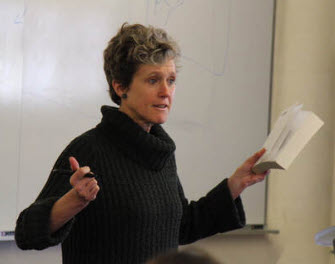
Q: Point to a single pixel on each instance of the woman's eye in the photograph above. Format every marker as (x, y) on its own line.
(152, 81)
(171, 81)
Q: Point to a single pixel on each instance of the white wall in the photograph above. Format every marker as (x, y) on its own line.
(299, 200)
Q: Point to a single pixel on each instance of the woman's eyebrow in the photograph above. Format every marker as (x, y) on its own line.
(160, 73)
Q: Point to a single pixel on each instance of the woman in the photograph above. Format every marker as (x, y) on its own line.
(135, 208)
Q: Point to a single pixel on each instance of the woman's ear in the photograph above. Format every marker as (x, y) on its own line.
(118, 88)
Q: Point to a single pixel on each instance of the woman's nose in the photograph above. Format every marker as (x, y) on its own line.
(164, 89)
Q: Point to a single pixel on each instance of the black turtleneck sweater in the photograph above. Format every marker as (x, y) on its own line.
(140, 210)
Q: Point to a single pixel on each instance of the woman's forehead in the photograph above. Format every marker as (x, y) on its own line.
(167, 67)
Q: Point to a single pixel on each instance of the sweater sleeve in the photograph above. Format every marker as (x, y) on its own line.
(214, 213)
(33, 224)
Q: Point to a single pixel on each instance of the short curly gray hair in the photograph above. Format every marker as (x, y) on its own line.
(132, 46)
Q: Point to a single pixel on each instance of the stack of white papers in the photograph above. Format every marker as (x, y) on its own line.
(292, 131)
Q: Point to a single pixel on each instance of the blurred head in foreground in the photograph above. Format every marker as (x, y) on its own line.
(189, 256)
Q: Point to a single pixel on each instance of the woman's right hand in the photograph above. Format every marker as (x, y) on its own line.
(86, 188)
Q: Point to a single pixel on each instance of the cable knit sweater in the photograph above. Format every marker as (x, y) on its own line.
(140, 210)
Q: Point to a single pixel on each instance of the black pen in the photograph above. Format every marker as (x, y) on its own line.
(69, 173)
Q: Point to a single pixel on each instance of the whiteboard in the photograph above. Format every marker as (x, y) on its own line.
(52, 86)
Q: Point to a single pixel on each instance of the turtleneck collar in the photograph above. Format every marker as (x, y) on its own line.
(152, 150)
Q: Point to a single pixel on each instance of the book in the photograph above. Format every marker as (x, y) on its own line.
(291, 132)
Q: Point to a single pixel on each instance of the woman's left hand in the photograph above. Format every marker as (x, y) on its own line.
(244, 177)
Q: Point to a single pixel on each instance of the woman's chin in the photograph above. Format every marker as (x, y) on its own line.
(160, 120)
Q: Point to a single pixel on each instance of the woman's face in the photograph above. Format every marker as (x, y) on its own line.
(150, 94)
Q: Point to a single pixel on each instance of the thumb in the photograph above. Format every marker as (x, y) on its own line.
(74, 163)
(253, 159)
